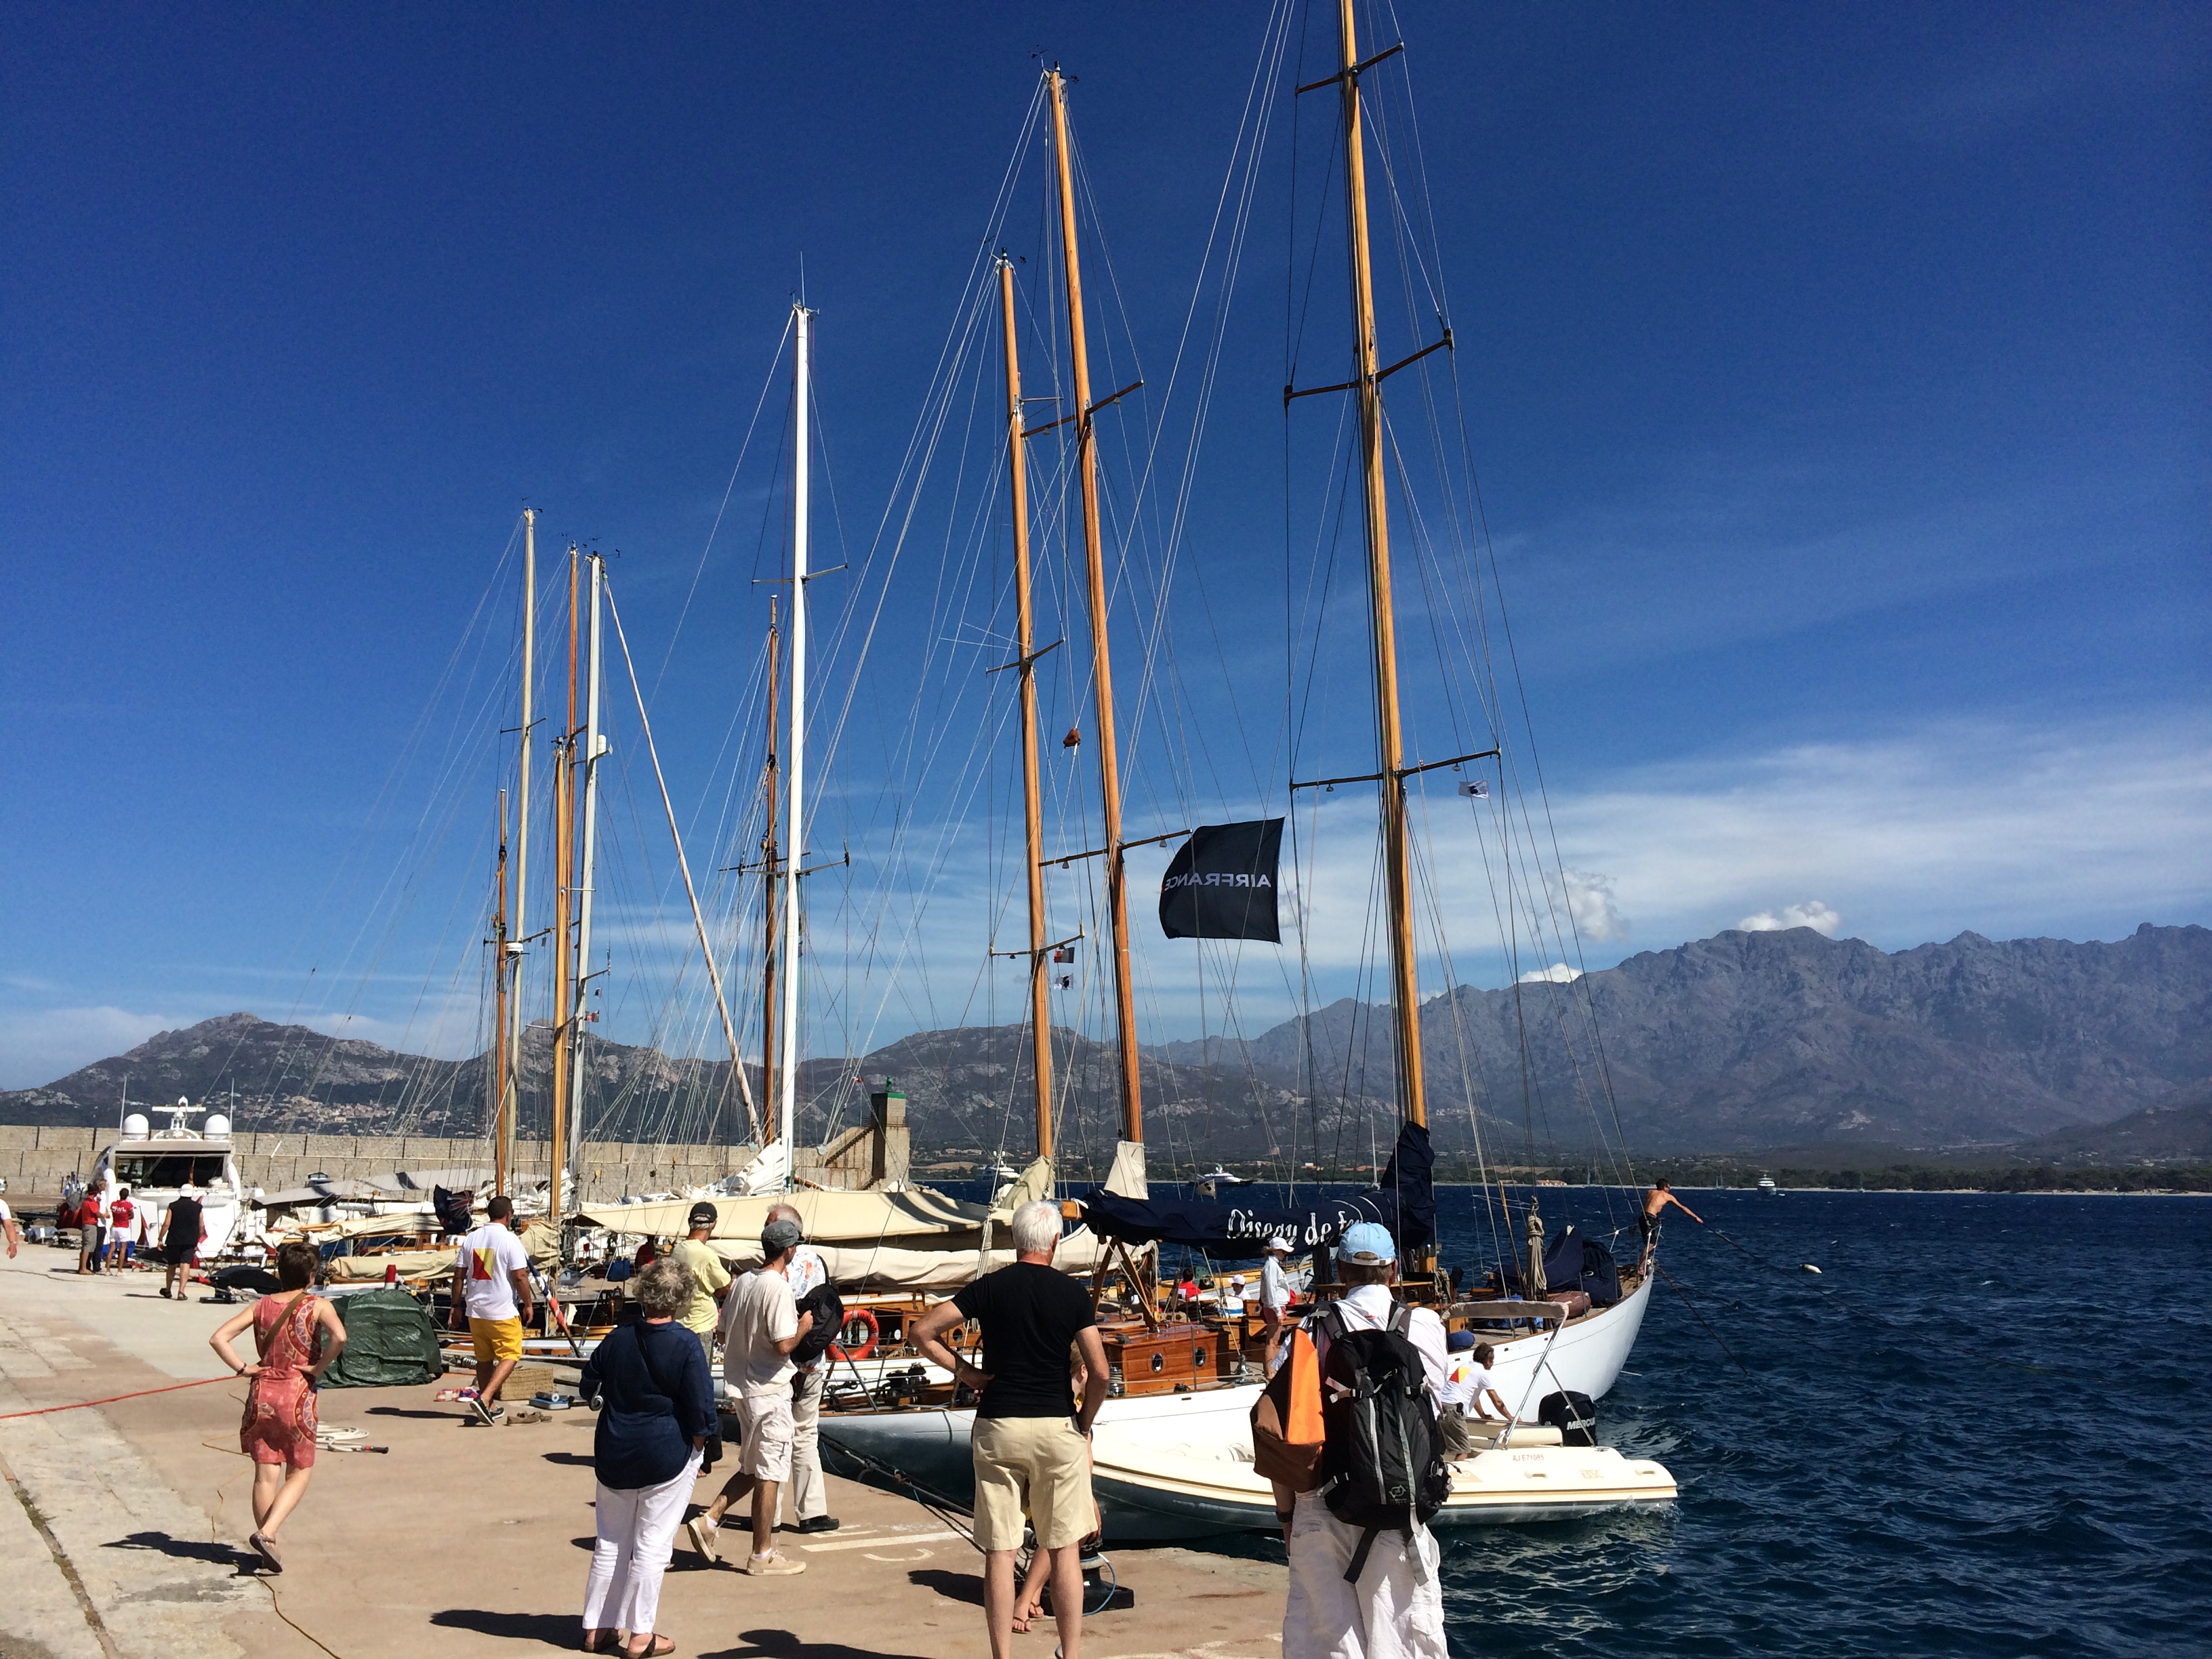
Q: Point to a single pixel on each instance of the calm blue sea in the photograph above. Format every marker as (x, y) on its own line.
(1980, 1430)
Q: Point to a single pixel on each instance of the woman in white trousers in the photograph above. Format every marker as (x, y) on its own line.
(656, 1410)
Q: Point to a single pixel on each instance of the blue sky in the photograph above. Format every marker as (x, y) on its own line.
(1837, 379)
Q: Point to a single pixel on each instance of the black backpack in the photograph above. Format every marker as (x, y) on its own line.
(829, 1311)
(1382, 1462)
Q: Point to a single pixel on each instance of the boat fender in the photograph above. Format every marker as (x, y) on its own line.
(843, 1348)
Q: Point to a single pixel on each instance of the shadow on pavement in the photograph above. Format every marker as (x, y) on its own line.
(785, 1644)
(184, 1549)
(953, 1586)
(558, 1629)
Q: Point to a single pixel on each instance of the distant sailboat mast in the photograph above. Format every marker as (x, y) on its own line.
(511, 1097)
(595, 749)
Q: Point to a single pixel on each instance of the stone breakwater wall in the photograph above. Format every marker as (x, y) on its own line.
(36, 1158)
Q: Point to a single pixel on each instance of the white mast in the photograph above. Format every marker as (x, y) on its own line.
(510, 1107)
(795, 788)
(595, 746)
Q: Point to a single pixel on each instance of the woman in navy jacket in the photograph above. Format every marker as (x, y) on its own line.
(656, 1412)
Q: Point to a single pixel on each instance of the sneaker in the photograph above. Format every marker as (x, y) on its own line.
(817, 1524)
(701, 1531)
(775, 1565)
(486, 1414)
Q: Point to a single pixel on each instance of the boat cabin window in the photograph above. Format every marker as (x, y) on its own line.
(150, 1169)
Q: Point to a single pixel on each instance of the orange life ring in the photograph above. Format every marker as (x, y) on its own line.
(855, 1316)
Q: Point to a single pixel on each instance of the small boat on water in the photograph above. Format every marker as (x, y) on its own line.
(1766, 1185)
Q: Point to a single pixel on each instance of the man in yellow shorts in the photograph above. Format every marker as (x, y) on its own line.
(1032, 1442)
(491, 1290)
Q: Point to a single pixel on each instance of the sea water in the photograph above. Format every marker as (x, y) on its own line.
(1978, 1430)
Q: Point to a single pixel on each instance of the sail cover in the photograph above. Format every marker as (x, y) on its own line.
(1221, 883)
(1226, 1229)
(1408, 1194)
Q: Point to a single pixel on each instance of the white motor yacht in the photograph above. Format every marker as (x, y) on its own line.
(158, 1165)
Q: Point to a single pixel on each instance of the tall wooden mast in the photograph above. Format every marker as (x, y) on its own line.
(770, 908)
(1032, 790)
(1109, 769)
(1396, 860)
(500, 963)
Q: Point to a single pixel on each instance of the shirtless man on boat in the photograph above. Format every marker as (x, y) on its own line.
(1655, 1204)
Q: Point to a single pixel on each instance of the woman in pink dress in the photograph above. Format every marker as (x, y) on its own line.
(278, 1430)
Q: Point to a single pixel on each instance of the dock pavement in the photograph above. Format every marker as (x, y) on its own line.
(123, 1525)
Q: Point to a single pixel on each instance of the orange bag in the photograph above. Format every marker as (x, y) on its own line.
(1287, 1425)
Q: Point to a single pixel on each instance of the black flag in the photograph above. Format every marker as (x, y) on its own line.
(1222, 884)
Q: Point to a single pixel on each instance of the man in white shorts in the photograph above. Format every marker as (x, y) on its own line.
(761, 1325)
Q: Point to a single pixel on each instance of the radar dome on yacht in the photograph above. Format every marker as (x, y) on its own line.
(184, 1100)
(217, 1127)
(136, 1128)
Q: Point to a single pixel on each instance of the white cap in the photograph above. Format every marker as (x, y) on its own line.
(1274, 1245)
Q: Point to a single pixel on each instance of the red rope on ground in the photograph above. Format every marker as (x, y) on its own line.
(43, 1411)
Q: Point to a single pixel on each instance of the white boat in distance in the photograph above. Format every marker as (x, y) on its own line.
(157, 1164)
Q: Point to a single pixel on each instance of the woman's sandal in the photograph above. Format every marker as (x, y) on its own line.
(653, 1649)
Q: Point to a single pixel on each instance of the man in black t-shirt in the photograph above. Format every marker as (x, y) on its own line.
(1032, 1442)
(183, 1229)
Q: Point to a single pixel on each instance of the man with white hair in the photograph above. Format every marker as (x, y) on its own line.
(810, 1494)
(1032, 1442)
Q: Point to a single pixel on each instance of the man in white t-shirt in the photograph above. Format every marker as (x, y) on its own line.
(7, 1222)
(491, 1290)
(1274, 1297)
(1397, 1609)
(810, 1494)
(761, 1325)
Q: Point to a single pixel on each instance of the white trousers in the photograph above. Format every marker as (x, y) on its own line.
(809, 1497)
(638, 1535)
(1396, 1610)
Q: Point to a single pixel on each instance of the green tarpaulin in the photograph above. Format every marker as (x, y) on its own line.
(390, 1341)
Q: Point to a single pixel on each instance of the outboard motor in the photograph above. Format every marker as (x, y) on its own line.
(1572, 1414)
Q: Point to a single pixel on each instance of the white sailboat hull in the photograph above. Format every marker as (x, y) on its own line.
(1180, 1464)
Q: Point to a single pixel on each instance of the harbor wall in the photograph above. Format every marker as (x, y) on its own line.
(36, 1158)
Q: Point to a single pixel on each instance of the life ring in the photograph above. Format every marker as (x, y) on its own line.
(855, 1316)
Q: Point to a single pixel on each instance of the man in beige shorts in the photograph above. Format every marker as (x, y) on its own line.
(1031, 1444)
(761, 1325)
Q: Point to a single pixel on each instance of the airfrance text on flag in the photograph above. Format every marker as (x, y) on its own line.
(1478, 787)
(1221, 883)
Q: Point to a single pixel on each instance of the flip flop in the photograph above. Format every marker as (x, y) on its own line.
(266, 1549)
(652, 1650)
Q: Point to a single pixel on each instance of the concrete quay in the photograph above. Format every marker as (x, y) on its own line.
(122, 1527)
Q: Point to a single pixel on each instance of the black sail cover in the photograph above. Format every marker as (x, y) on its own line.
(1221, 883)
(1222, 1228)
(1406, 1203)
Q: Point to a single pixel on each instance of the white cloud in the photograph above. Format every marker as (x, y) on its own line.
(1589, 901)
(1558, 974)
(1813, 913)
(38, 1046)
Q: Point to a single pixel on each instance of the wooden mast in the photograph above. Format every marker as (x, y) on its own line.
(564, 860)
(770, 908)
(1110, 770)
(1397, 863)
(1032, 792)
(499, 975)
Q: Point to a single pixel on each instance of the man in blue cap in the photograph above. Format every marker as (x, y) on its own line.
(1397, 1609)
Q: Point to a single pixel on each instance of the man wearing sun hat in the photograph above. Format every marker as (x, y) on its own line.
(1395, 1610)
(1274, 1295)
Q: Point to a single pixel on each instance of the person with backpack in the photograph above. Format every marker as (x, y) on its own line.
(1363, 1582)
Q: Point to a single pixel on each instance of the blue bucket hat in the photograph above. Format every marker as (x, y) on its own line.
(1368, 1244)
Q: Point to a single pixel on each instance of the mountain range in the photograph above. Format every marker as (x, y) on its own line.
(1733, 1043)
